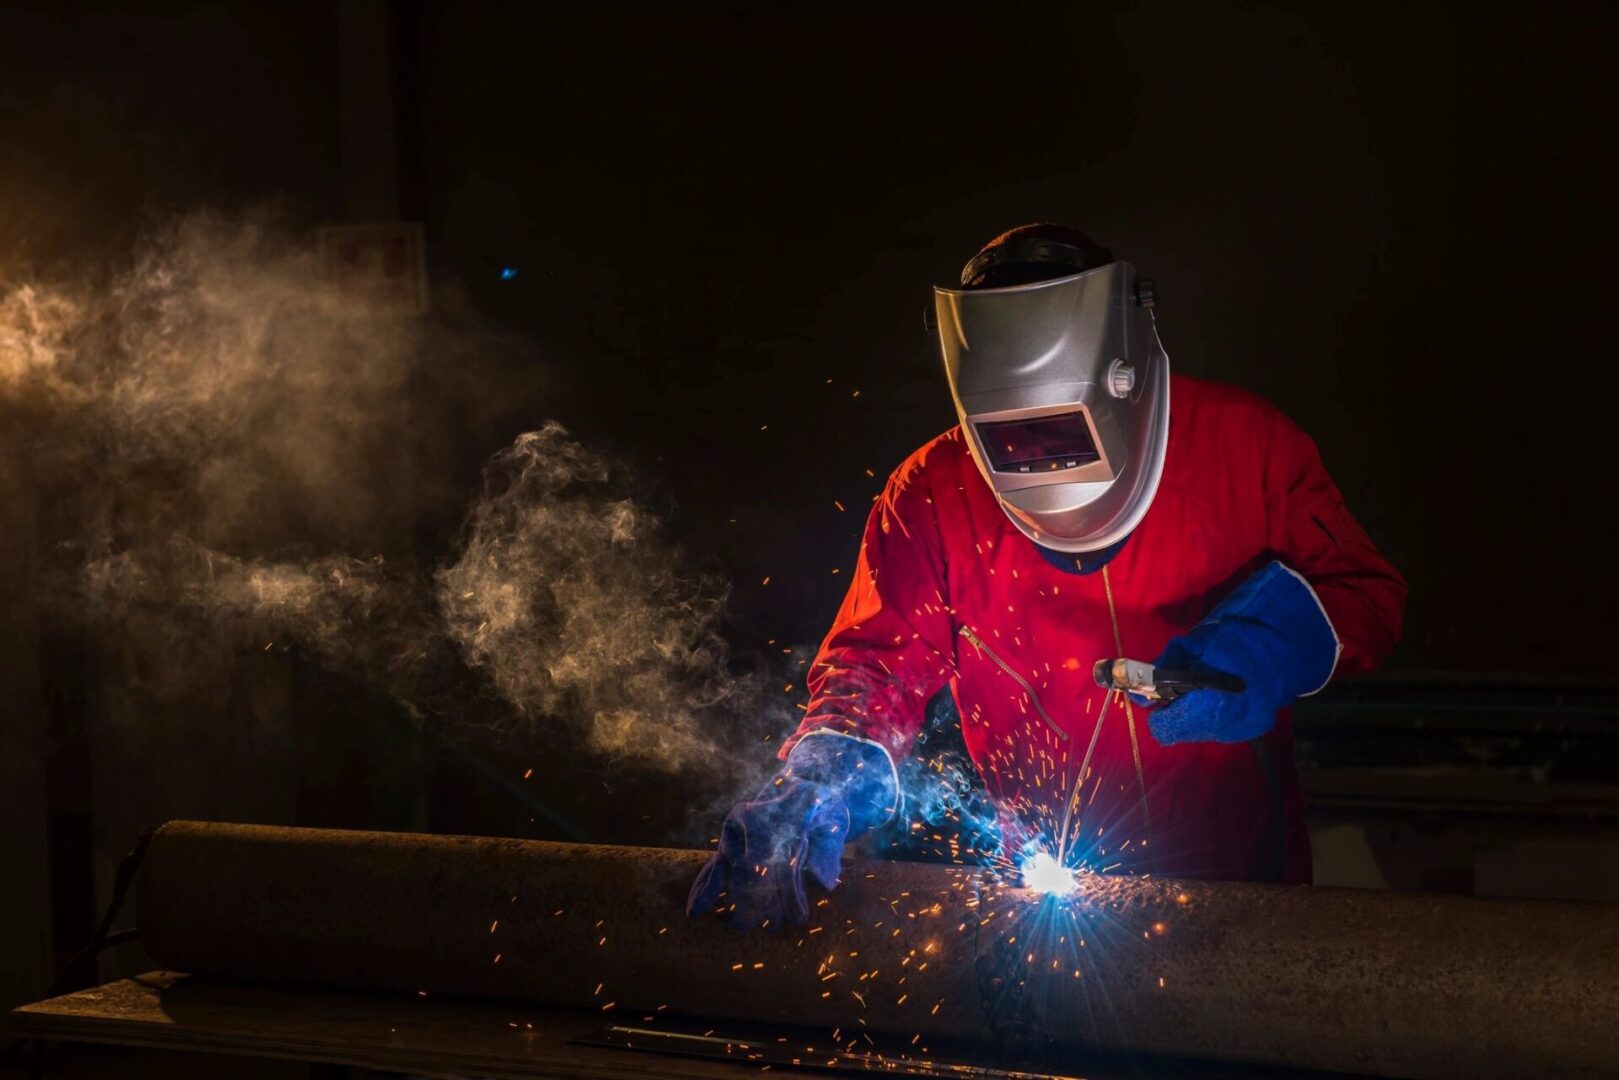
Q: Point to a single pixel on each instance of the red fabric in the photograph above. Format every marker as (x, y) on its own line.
(1241, 486)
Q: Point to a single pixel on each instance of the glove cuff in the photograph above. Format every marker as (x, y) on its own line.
(1336, 645)
(859, 771)
(1279, 598)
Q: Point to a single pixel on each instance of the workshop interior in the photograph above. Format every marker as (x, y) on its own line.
(694, 540)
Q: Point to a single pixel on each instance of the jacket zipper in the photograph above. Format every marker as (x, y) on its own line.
(983, 647)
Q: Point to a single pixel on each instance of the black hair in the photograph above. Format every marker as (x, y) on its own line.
(1031, 253)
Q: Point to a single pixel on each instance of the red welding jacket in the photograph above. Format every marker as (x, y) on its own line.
(947, 591)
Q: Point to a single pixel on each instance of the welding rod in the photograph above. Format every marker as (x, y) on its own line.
(1382, 983)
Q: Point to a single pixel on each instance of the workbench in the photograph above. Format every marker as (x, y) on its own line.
(350, 1034)
(354, 1031)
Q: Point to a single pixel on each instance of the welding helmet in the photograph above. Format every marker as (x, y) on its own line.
(1060, 384)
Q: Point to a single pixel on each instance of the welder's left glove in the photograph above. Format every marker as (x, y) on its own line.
(833, 788)
(1273, 632)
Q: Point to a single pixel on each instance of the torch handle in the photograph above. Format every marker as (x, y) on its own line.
(1172, 684)
(1163, 684)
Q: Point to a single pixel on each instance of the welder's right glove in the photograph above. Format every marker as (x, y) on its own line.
(833, 788)
(1272, 632)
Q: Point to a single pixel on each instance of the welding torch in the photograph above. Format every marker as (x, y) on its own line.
(1162, 685)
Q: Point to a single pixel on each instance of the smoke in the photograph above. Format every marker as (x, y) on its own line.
(232, 454)
(33, 347)
(180, 610)
(218, 384)
(208, 429)
(570, 600)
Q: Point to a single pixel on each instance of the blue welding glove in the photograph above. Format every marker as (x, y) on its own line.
(1274, 633)
(833, 788)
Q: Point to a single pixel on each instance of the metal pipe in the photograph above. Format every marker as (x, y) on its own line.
(1337, 979)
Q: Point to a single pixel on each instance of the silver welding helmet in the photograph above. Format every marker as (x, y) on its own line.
(1062, 389)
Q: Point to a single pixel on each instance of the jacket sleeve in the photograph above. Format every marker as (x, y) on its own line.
(1312, 531)
(892, 644)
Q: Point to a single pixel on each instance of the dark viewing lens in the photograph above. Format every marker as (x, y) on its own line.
(1044, 444)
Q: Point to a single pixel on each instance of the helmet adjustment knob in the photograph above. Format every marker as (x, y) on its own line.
(1121, 378)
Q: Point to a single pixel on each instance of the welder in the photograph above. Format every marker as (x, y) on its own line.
(1087, 505)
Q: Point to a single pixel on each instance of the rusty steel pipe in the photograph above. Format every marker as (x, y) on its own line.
(1367, 982)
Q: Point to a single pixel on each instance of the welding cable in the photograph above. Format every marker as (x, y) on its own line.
(102, 939)
(105, 937)
(1129, 713)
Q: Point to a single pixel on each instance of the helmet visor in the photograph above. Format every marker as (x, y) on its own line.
(1040, 444)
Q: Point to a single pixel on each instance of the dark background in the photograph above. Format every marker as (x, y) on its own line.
(1394, 222)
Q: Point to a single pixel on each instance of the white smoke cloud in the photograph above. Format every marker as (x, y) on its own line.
(231, 447)
(218, 384)
(33, 345)
(570, 598)
(181, 614)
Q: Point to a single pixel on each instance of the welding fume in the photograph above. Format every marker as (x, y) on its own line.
(1090, 510)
